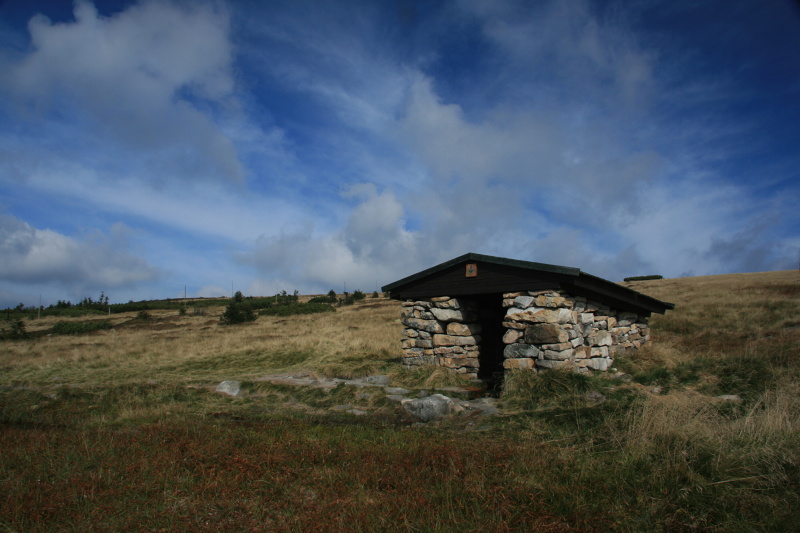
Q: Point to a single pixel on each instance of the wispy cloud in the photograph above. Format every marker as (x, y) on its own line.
(305, 146)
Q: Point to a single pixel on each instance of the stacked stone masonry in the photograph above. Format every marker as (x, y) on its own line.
(442, 332)
(544, 329)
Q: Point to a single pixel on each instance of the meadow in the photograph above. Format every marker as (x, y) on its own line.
(120, 429)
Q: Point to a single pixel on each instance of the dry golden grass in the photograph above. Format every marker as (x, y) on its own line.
(170, 347)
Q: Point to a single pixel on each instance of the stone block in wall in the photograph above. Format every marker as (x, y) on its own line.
(545, 334)
(512, 335)
(612, 322)
(558, 347)
(511, 295)
(562, 355)
(467, 341)
(469, 362)
(412, 352)
(539, 315)
(454, 315)
(585, 329)
(421, 343)
(447, 303)
(431, 326)
(600, 338)
(411, 332)
(510, 324)
(552, 300)
(586, 318)
(458, 328)
(443, 340)
(598, 351)
(523, 302)
(449, 350)
(519, 364)
(539, 293)
(518, 351)
(420, 361)
(598, 363)
(549, 364)
(577, 341)
(582, 352)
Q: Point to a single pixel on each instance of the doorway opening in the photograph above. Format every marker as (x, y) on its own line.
(490, 358)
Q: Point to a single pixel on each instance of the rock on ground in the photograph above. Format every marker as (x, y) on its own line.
(231, 388)
(430, 408)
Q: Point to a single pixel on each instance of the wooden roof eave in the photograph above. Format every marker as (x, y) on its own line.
(527, 265)
(572, 280)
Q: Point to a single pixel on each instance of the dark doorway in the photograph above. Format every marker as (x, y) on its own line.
(490, 317)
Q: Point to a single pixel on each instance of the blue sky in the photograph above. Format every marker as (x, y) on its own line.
(152, 147)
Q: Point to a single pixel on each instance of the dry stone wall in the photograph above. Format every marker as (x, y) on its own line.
(544, 329)
(551, 329)
(443, 332)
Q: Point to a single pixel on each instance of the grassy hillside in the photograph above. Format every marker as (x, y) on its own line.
(121, 430)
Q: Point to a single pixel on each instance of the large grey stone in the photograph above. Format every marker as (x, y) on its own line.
(430, 408)
(230, 387)
(377, 380)
(519, 351)
(431, 326)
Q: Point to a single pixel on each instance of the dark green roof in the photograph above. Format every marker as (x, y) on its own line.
(510, 275)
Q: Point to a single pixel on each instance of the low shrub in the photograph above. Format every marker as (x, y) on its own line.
(237, 313)
(323, 300)
(643, 278)
(350, 299)
(297, 309)
(13, 329)
(78, 328)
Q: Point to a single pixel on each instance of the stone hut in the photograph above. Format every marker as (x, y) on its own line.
(479, 315)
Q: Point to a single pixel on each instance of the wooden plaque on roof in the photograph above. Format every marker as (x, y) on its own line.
(472, 270)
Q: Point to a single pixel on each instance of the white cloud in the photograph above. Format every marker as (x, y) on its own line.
(42, 256)
(373, 247)
(147, 79)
